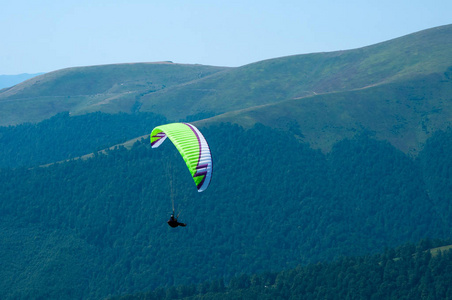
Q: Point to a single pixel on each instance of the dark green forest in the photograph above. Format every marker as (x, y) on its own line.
(63, 137)
(407, 272)
(97, 228)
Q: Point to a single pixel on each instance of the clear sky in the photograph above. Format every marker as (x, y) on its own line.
(47, 35)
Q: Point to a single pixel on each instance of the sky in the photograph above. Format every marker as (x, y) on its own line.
(48, 35)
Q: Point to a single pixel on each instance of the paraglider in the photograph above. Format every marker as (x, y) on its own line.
(193, 148)
(174, 223)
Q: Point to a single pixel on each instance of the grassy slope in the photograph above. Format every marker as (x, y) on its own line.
(378, 88)
(404, 113)
(400, 90)
(293, 77)
(177, 91)
(88, 89)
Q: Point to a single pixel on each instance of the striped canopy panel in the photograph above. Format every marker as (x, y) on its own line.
(193, 147)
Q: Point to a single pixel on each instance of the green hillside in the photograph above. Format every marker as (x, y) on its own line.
(93, 228)
(399, 89)
(178, 91)
(271, 81)
(29, 145)
(413, 274)
(316, 157)
(89, 89)
(404, 113)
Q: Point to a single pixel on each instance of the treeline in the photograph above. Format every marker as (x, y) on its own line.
(407, 272)
(64, 137)
(95, 228)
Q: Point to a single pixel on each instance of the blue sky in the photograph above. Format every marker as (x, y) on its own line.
(43, 36)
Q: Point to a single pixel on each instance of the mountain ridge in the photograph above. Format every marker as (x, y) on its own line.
(342, 88)
(162, 91)
(300, 75)
(83, 89)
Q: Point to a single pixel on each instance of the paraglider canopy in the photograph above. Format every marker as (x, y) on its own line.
(193, 148)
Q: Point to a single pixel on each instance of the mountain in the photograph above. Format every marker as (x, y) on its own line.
(90, 89)
(316, 157)
(10, 80)
(295, 77)
(399, 90)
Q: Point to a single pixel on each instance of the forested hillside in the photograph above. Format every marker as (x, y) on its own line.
(97, 227)
(316, 157)
(407, 272)
(64, 137)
